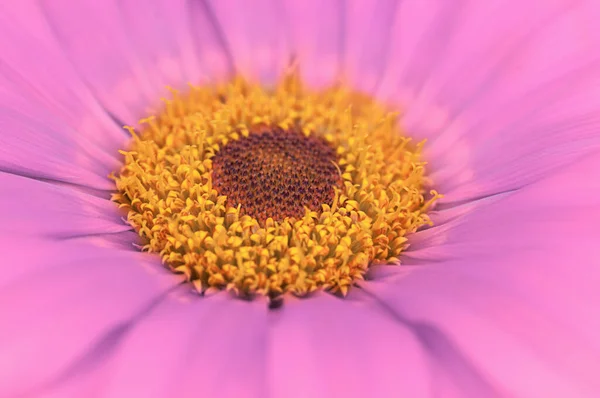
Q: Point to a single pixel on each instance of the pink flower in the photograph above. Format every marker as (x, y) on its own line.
(499, 298)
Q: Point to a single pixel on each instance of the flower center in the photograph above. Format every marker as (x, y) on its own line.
(273, 191)
(276, 173)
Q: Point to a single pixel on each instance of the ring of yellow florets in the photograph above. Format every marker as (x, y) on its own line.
(166, 187)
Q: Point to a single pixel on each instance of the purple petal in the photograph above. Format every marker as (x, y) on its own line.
(517, 286)
(128, 52)
(35, 70)
(76, 301)
(324, 346)
(504, 97)
(255, 36)
(187, 344)
(316, 34)
(36, 208)
(35, 144)
(52, 127)
(367, 41)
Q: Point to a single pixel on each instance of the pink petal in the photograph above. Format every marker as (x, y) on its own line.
(36, 208)
(216, 345)
(35, 144)
(255, 36)
(52, 125)
(316, 34)
(517, 286)
(504, 97)
(324, 347)
(128, 52)
(36, 70)
(64, 317)
(368, 26)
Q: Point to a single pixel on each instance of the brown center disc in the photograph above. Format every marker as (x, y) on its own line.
(276, 173)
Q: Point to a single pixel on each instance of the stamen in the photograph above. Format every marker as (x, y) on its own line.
(268, 192)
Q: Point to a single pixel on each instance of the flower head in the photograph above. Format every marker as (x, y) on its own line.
(315, 191)
(270, 193)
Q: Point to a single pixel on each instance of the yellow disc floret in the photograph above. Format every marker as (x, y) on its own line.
(378, 195)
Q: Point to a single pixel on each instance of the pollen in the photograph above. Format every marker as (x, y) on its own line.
(273, 190)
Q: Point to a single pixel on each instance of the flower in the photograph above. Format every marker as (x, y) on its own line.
(498, 298)
(273, 191)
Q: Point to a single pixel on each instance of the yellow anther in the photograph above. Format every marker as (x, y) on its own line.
(166, 186)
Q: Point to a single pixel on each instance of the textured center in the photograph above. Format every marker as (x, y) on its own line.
(273, 191)
(276, 173)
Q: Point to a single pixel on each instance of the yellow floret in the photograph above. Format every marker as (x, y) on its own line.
(166, 187)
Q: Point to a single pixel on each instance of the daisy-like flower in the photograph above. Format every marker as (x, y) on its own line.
(299, 198)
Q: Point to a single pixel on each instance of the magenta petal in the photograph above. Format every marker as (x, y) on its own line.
(503, 97)
(159, 32)
(255, 36)
(128, 53)
(415, 24)
(37, 74)
(316, 34)
(179, 37)
(35, 144)
(80, 297)
(52, 127)
(517, 288)
(36, 208)
(324, 346)
(368, 26)
(189, 345)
